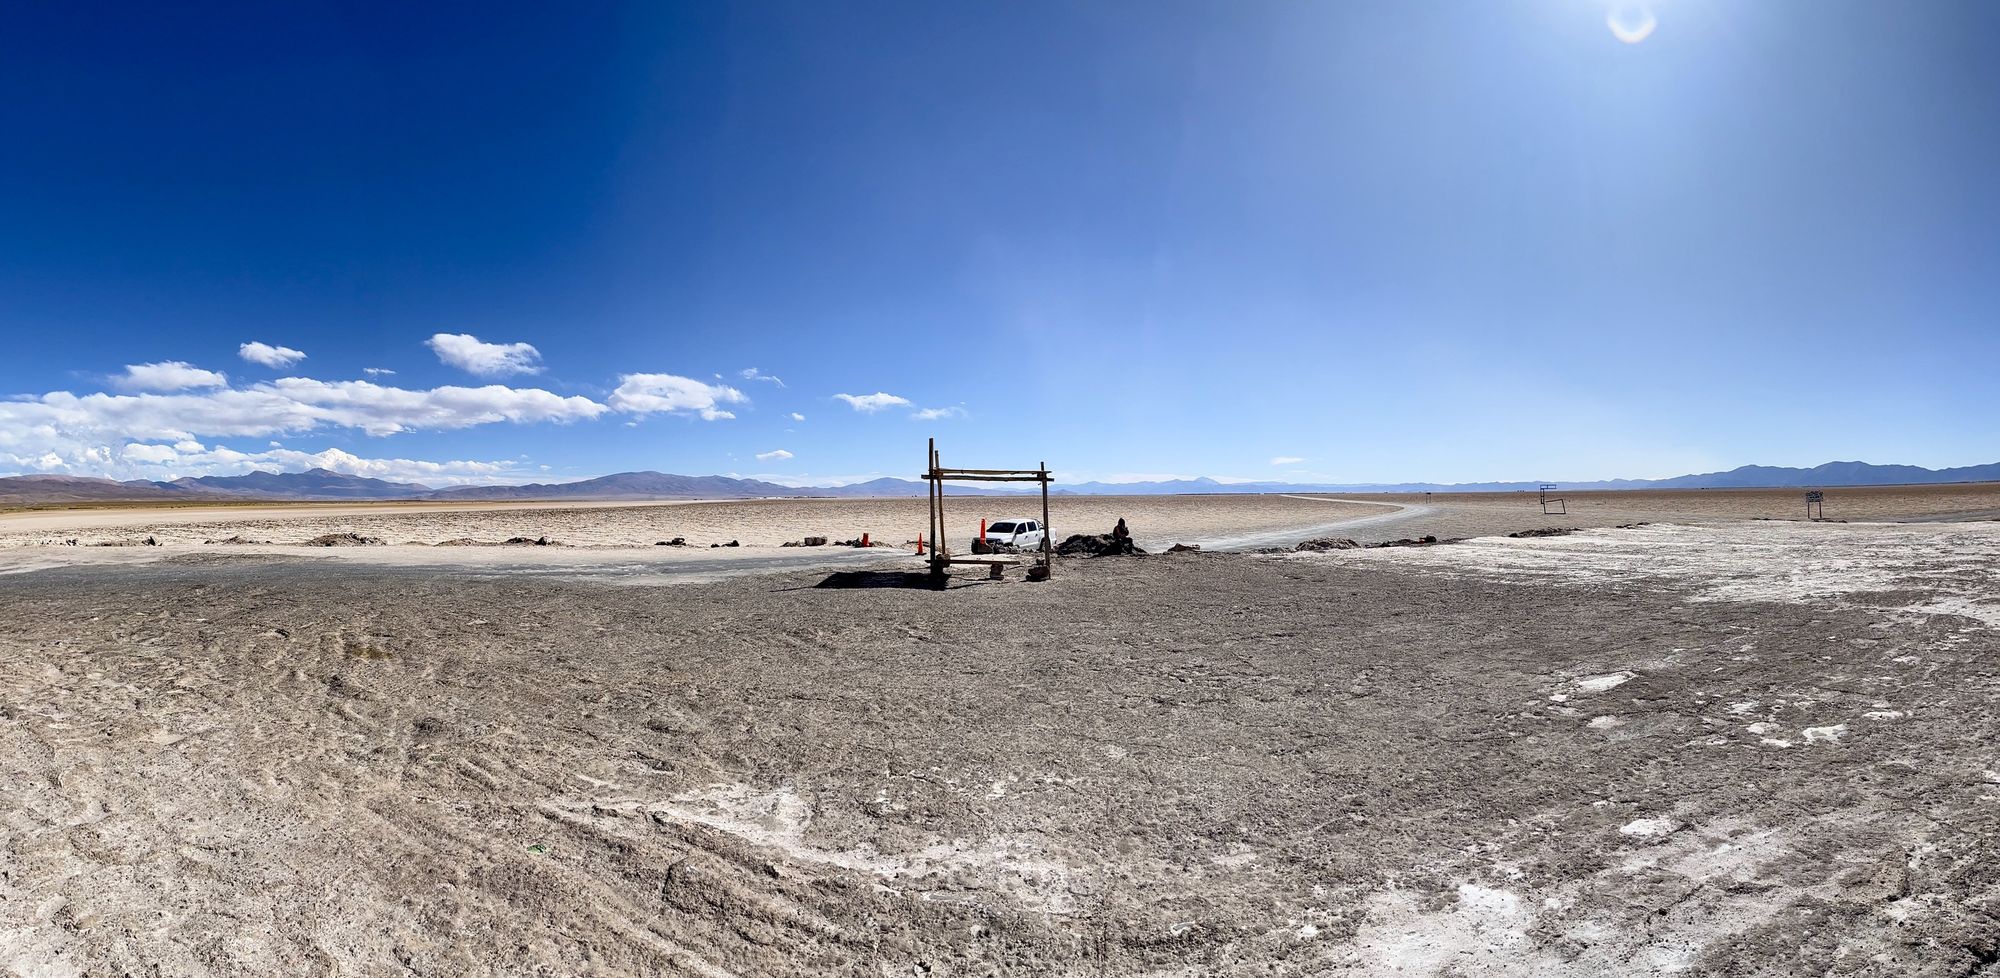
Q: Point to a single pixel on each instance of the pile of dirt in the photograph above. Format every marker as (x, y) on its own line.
(1548, 531)
(807, 542)
(1327, 543)
(675, 542)
(343, 540)
(1185, 548)
(1324, 544)
(981, 546)
(234, 540)
(1098, 545)
(731, 543)
(509, 542)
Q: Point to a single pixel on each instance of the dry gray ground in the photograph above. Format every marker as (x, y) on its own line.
(1382, 762)
(1159, 520)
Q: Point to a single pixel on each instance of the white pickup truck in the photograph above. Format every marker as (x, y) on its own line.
(1024, 533)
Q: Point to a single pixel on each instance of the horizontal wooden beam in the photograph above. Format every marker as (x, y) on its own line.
(988, 478)
(995, 471)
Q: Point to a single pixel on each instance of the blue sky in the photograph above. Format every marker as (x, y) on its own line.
(1368, 241)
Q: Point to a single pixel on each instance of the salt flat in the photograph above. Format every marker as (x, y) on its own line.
(1160, 521)
(1727, 747)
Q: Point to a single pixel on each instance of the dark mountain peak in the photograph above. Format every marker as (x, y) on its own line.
(311, 484)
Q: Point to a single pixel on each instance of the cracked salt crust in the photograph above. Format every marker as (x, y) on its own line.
(1946, 568)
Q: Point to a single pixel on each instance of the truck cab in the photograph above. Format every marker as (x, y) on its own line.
(1021, 532)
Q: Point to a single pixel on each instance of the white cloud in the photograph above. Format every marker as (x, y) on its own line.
(294, 404)
(936, 414)
(752, 373)
(774, 455)
(275, 357)
(168, 375)
(378, 371)
(670, 394)
(380, 410)
(1286, 460)
(796, 416)
(146, 434)
(871, 403)
(167, 462)
(468, 353)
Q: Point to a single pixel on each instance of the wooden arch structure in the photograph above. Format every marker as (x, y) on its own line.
(941, 557)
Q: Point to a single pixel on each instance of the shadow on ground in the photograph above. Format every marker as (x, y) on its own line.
(883, 579)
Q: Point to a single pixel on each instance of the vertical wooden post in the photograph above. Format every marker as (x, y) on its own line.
(930, 497)
(937, 477)
(1048, 535)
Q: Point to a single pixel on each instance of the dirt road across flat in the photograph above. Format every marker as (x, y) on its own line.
(1611, 753)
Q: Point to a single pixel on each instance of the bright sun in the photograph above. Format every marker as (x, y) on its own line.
(1631, 21)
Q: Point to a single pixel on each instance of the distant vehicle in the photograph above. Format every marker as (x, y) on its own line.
(1023, 533)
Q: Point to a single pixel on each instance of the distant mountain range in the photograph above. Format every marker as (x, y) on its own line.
(324, 485)
(1829, 475)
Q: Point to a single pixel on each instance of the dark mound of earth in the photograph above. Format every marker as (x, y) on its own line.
(343, 540)
(1327, 543)
(1098, 545)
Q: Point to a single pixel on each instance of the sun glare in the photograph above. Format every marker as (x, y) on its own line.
(1631, 21)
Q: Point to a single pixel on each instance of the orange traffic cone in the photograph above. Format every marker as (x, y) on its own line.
(920, 544)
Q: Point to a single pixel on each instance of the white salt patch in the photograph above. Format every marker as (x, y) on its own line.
(1883, 715)
(1744, 707)
(1598, 684)
(780, 819)
(1761, 727)
(1309, 930)
(1829, 735)
(1605, 722)
(1484, 932)
(1775, 742)
(1954, 566)
(1648, 827)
